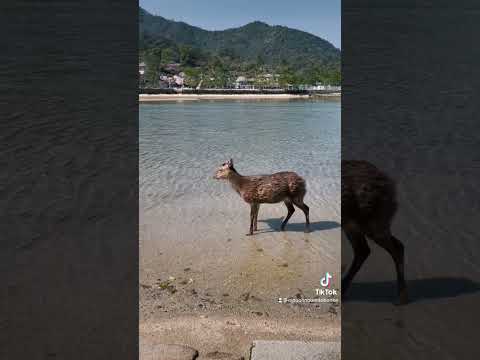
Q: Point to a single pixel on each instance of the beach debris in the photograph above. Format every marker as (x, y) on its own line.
(187, 269)
(260, 250)
(284, 265)
(300, 294)
(211, 301)
(171, 278)
(225, 294)
(258, 313)
(144, 286)
(218, 355)
(245, 296)
(167, 285)
(184, 282)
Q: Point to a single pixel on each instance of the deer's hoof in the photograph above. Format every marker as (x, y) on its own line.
(402, 299)
(307, 230)
(249, 234)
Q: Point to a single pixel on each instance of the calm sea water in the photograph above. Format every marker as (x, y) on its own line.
(181, 144)
(189, 220)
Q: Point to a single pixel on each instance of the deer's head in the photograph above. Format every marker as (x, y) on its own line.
(224, 171)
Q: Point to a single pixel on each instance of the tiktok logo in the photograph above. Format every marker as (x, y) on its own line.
(326, 280)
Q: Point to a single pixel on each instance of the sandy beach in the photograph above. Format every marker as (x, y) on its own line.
(145, 98)
(203, 282)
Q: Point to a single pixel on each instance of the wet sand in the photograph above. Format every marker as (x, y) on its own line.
(225, 274)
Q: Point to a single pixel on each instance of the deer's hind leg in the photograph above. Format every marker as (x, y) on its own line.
(291, 210)
(396, 250)
(306, 210)
(361, 250)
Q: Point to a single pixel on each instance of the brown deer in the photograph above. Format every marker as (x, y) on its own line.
(267, 189)
(368, 207)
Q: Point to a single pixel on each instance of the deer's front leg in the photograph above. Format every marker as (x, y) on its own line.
(255, 218)
(252, 218)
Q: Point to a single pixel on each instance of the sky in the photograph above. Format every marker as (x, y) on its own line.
(319, 17)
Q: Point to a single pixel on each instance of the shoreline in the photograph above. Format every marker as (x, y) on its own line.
(146, 98)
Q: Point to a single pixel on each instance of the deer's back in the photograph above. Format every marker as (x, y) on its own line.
(273, 188)
(368, 194)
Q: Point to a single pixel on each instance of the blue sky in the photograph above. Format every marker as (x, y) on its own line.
(319, 17)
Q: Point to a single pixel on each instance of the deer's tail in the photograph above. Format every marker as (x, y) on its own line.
(298, 188)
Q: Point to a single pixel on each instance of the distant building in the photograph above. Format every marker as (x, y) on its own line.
(243, 83)
(141, 68)
(178, 80)
(141, 74)
(172, 68)
(240, 82)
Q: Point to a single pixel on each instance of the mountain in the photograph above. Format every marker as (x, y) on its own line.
(254, 42)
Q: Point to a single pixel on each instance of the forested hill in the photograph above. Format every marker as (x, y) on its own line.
(253, 42)
(219, 57)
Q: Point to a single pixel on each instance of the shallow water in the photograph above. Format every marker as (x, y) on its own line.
(188, 219)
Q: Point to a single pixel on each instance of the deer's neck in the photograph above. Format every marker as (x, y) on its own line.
(237, 181)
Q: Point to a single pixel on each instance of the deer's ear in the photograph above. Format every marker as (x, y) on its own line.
(230, 162)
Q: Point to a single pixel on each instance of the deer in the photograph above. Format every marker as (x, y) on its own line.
(369, 205)
(283, 186)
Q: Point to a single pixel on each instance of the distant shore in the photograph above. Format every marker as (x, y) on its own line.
(145, 98)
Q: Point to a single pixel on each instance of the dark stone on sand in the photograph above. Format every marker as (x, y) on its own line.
(218, 355)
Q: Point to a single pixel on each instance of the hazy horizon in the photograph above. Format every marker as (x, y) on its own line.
(323, 20)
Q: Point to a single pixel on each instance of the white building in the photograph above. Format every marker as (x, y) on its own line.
(178, 80)
(141, 68)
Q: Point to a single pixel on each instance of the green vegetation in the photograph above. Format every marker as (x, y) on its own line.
(217, 58)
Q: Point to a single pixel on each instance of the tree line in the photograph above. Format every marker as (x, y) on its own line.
(222, 69)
